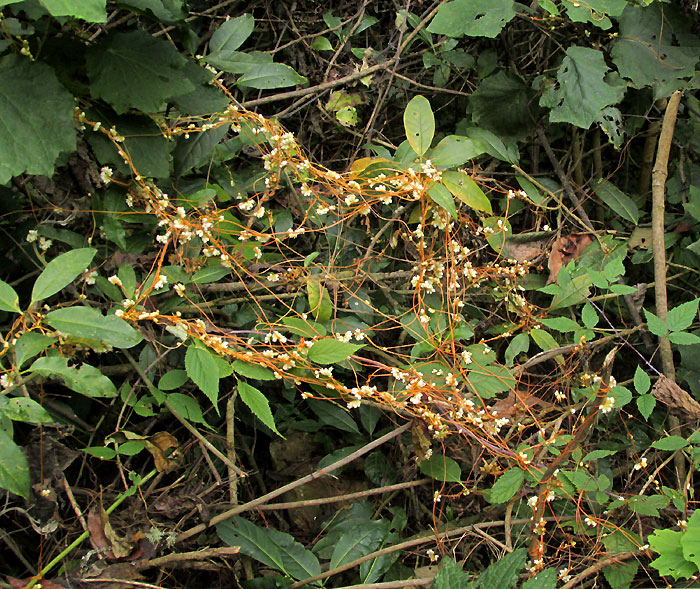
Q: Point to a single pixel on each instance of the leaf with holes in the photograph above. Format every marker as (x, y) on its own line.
(475, 18)
(466, 190)
(419, 123)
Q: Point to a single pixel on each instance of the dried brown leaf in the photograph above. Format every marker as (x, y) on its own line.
(669, 393)
(564, 250)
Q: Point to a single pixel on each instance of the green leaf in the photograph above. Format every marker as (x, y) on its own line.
(9, 301)
(655, 47)
(231, 34)
(136, 70)
(319, 300)
(441, 196)
(589, 316)
(358, 541)
(196, 151)
(682, 316)
(331, 415)
(546, 579)
(299, 326)
(543, 339)
(441, 468)
(173, 379)
(203, 369)
(210, 274)
(187, 407)
(166, 11)
(239, 62)
(670, 443)
(270, 547)
(489, 381)
(507, 485)
(646, 404)
(466, 190)
(88, 10)
(36, 126)
(597, 455)
(321, 44)
(14, 469)
(648, 505)
(331, 351)
(618, 201)
(271, 75)
(258, 404)
(581, 91)
(475, 18)
(29, 345)
(254, 371)
(454, 150)
(690, 540)
(451, 576)
(671, 560)
(419, 123)
(89, 323)
(61, 271)
(23, 409)
(519, 344)
(655, 325)
(561, 324)
(503, 573)
(642, 382)
(87, 380)
(682, 338)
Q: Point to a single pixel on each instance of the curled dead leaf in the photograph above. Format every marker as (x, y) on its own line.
(163, 446)
(564, 250)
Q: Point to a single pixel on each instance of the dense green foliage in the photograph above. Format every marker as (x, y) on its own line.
(246, 244)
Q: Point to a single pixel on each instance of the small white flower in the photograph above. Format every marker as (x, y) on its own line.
(641, 464)
(179, 289)
(44, 243)
(106, 174)
(32, 235)
(115, 280)
(607, 405)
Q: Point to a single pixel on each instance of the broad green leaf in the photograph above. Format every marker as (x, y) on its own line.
(642, 382)
(595, 12)
(682, 316)
(682, 338)
(101, 452)
(597, 455)
(331, 415)
(29, 345)
(513, 118)
(258, 404)
(210, 274)
(36, 126)
(441, 196)
(88, 10)
(507, 485)
(187, 407)
(582, 90)
(589, 316)
(271, 547)
(9, 301)
(319, 300)
(670, 443)
(451, 576)
(655, 47)
(571, 292)
(489, 381)
(299, 326)
(560, 324)
(671, 560)
(321, 44)
(519, 344)
(23, 409)
(239, 62)
(618, 201)
(231, 34)
(271, 75)
(441, 468)
(531, 190)
(14, 470)
(646, 404)
(61, 271)
(454, 150)
(165, 11)
(648, 504)
(358, 541)
(690, 540)
(86, 380)
(136, 70)
(173, 379)
(543, 339)
(503, 574)
(204, 371)
(546, 579)
(254, 371)
(655, 325)
(419, 123)
(331, 351)
(466, 190)
(475, 18)
(89, 323)
(196, 151)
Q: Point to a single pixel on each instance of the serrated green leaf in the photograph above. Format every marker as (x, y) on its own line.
(455, 150)
(271, 75)
(581, 91)
(671, 560)
(589, 316)
(489, 381)
(319, 300)
(331, 351)
(466, 190)
(14, 469)
(648, 505)
(681, 338)
(36, 126)
(61, 271)
(507, 485)
(642, 382)
(203, 369)
(655, 325)
(475, 18)
(89, 323)
(597, 455)
(682, 316)
(690, 540)
(254, 371)
(670, 443)
(441, 468)
(546, 579)
(136, 70)
(88, 10)
(451, 576)
(258, 404)
(9, 301)
(231, 34)
(543, 339)
(504, 572)
(618, 201)
(187, 407)
(86, 380)
(419, 124)
(173, 379)
(441, 196)
(646, 404)
(358, 541)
